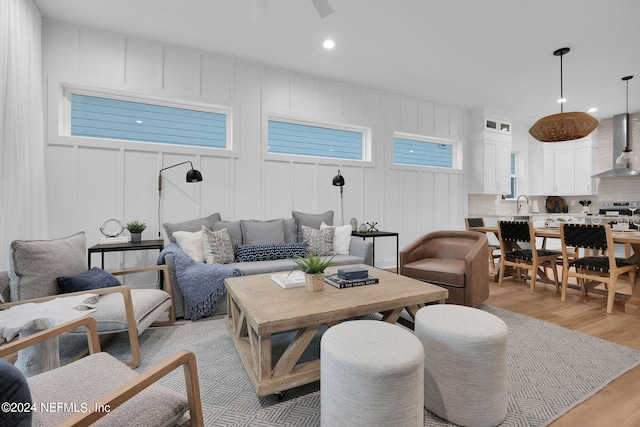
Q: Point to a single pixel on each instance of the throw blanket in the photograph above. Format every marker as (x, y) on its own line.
(202, 285)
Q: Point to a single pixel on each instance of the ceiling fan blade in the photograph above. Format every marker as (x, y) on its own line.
(260, 8)
(323, 7)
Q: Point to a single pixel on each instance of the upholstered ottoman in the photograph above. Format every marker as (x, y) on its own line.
(465, 372)
(371, 374)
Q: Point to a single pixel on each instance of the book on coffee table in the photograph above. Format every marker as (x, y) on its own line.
(336, 281)
(289, 280)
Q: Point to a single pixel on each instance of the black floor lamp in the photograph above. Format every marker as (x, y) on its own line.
(193, 175)
(338, 181)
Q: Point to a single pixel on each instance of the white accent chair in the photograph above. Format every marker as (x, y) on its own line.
(36, 264)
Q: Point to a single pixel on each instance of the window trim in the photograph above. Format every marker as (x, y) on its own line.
(456, 152)
(338, 124)
(59, 121)
(513, 157)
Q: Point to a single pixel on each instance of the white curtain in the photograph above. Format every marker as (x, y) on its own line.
(23, 204)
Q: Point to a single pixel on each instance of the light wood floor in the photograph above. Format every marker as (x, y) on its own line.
(618, 404)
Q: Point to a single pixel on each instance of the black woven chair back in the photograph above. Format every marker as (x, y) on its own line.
(475, 222)
(585, 236)
(515, 231)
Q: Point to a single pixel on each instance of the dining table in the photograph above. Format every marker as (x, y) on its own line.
(630, 238)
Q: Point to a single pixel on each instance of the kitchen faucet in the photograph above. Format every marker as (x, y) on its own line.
(518, 202)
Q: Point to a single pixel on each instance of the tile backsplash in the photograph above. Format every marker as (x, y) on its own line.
(491, 205)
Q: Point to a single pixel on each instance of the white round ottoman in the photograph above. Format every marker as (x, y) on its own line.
(465, 371)
(371, 374)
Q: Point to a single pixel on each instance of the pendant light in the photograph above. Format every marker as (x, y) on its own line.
(564, 126)
(625, 156)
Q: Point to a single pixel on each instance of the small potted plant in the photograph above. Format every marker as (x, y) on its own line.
(313, 268)
(136, 228)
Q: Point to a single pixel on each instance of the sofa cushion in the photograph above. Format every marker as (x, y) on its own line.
(311, 220)
(262, 232)
(111, 317)
(192, 226)
(283, 265)
(440, 271)
(191, 243)
(291, 230)
(319, 242)
(34, 265)
(95, 278)
(233, 228)
(341, 238)
(270, 251)
(217, 246)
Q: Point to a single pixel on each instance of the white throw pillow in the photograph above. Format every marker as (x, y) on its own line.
(191, 244)
(341, 238)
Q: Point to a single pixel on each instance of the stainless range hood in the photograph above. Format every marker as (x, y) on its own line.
(621, 136)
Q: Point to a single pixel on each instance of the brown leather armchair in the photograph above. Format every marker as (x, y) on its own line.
(455, 260)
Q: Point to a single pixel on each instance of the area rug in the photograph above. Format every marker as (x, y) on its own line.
(551, 370)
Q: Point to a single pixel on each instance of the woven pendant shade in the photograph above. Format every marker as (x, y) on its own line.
(563, 127)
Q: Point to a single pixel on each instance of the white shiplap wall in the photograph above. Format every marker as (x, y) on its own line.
(89, 181)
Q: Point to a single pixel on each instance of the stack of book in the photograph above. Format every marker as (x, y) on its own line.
(339, 282)
(289, 280)
(119, 239)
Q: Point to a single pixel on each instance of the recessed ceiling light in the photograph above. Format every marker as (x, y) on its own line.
(592, 110)
(329, 44)
(139, 121)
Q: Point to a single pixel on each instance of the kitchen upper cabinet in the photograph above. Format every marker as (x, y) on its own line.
(488, 159)
(584, 161)
(497, 176)
(563, 169)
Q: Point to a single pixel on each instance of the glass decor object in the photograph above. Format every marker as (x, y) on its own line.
(354, 224)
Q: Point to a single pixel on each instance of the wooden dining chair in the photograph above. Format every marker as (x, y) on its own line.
(593, 270)
(510, 234)
(493, 250)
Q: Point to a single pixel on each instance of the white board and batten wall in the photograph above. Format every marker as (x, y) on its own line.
(91, 180)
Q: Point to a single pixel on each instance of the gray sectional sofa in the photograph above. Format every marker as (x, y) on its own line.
(248, 232)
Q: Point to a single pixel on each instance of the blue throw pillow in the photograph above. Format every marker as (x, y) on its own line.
(270, 251)
(95, 278)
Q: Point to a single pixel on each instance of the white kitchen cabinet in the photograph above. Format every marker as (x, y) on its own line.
(563, 168)
(497, 156)
(488, 158)
(584, 159)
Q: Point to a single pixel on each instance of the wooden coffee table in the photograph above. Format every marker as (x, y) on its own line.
(258, 308)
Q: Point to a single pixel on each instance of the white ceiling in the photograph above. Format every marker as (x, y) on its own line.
(460, 53)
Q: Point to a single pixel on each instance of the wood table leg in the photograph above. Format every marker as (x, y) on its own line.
(632, 306)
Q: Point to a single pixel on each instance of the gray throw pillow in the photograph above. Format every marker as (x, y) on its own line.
(311, 220)
(262, 232)
(319, 242)
(233, 228)
(192, 226)
(217, 246)
(34, 265)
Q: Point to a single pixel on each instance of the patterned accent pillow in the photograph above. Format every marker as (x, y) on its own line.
(270, 251)
(217, 246)
(319, 242)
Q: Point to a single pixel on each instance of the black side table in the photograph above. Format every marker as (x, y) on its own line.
(123, 247)
(373, 235)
